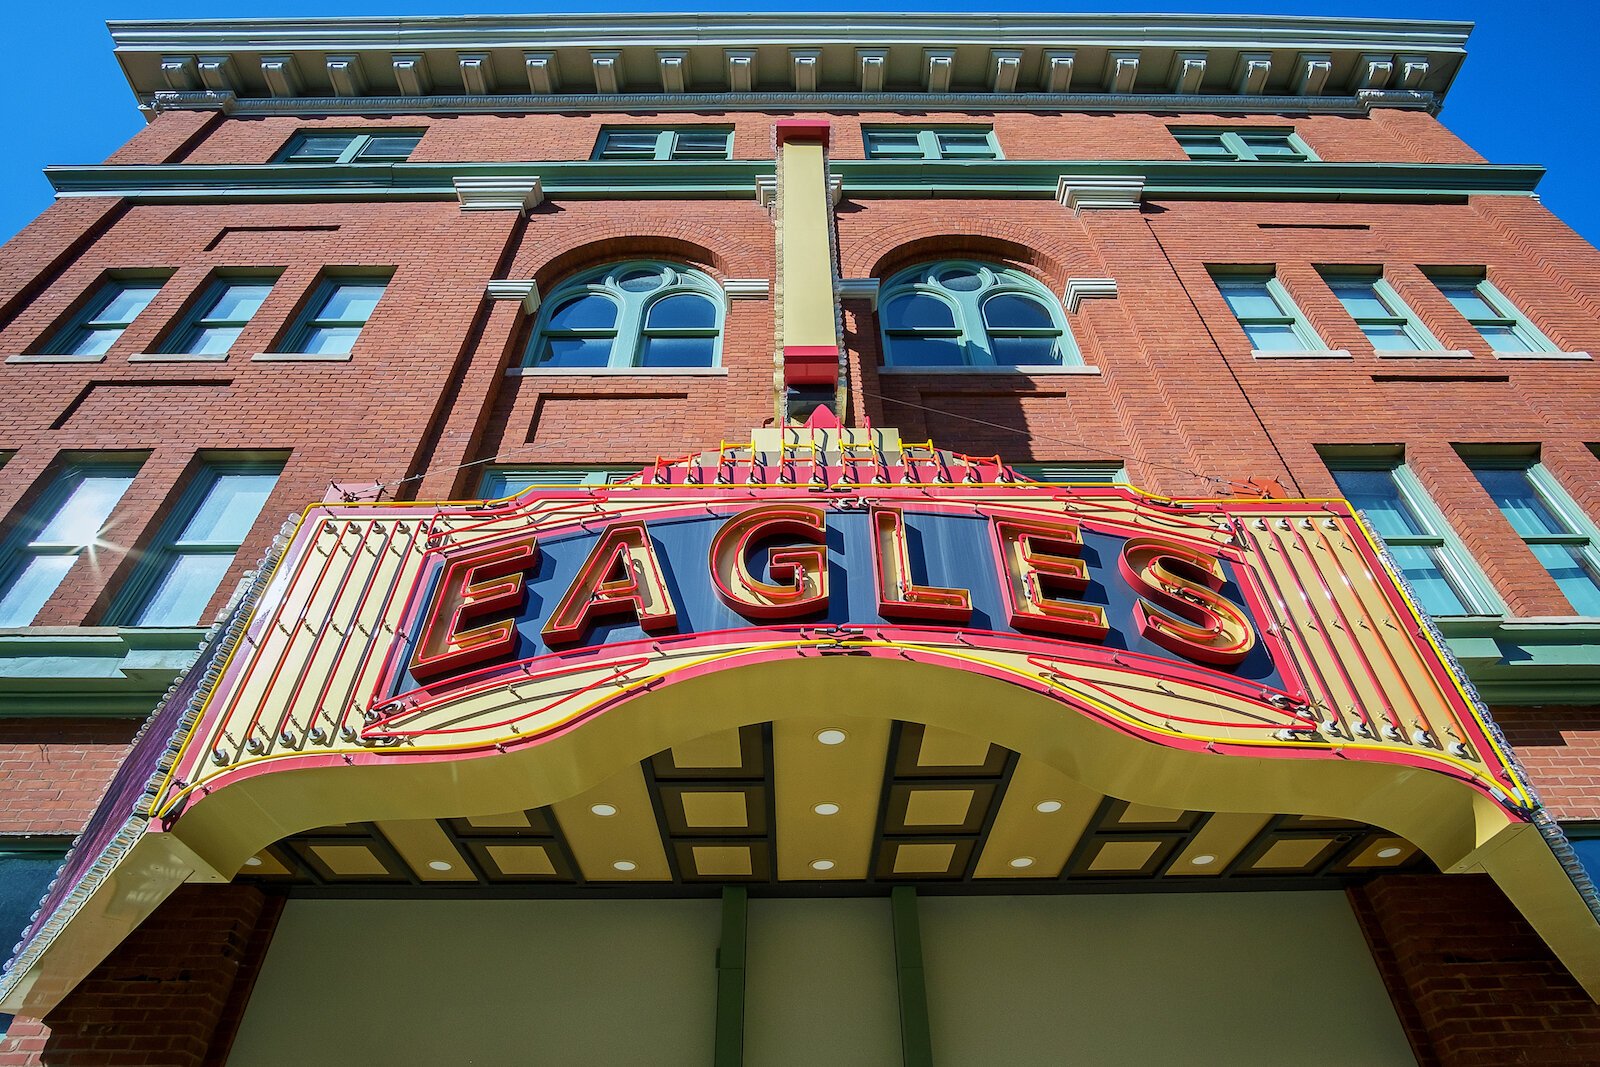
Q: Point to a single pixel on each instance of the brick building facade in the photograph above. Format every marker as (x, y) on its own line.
(370, 262)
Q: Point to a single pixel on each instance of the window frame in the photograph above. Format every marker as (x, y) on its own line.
(555, 475)
(1310, 341)
(628, 331)
(666, 147)
(134, 597)
(1401, 314)
(309, 317)
(22, 545)
(180, 340)
(1456, 563)
(1232, 138)
(1581, 532)
(81, 323)
(1088, 472)
(360, 141)
(971, 330)
(928, 142)
(1508, 315)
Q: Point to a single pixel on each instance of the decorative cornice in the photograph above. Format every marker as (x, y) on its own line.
(998, 55)
(499, 193)
(767, 189)
(526, 291)
(866, 179)
(1079, 192)
(1081, 289)
(90, 671)
(746, 288)
(1528, 661)
(858, 289)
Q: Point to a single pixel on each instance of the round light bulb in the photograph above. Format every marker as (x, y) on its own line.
(826, 809)
(832, 737)
(1388, 853)
(1201, 861)
(822, 865)
(253, 861)
(625, 865)
(440, 865)
(1045, 807)
(603, 810)
(1022, 861)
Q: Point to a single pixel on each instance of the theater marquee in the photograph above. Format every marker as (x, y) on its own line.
(418, 661)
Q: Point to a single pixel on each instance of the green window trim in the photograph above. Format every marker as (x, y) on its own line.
(969, 331)
(66, 521)
(1499, 322)
(1107, 472)
(1385, 319)
(1269, 316)
(224, 309)
(664, 143)
(181, 571)
(1242, 144)
(628, 335)
(503, 480)
(1564, 540)
(930, 142)
(1432, 540)
(332, 320)
(349, 146)
(96, 326)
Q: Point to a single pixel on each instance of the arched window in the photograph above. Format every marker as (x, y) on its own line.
(636, 314)
(959, 313)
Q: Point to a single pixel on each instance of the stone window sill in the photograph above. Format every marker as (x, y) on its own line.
(177, 357)
(616, 372)
(1542, 355)
(1008, 371)
(1309, 353)
(46, 357)
(1428, 353)
(303, 357)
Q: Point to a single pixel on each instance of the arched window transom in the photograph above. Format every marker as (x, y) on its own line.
(959, 313)
(637, 314)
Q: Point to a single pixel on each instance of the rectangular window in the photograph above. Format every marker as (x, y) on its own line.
(335, 146)
(192, 556)
(950, 142)
(501, 482)
(631, 142)
(1266, 312)
(1494, 317)
(65, 522)
(333, 319)
(1389, 324)
(1242, 145)
(1109, 472)
(1554, 528)
(113, 308)
(221, 314)
(1421, 542)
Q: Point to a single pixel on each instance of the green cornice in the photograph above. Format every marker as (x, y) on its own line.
(587, 180)
(1512, 661)
(91, 671)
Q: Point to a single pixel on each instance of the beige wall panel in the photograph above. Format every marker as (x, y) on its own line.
(599, 842)
(808, 773)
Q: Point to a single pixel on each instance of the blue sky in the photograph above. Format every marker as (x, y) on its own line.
(1526, 95)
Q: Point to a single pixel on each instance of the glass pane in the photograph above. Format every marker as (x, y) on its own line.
(925, 352)
(631, 144)
(576, 352)
(331, 340)
(1514, 495)
(181, 594)
(961, 279)
(588, 312)
(238, 300)
(127, 302)
(321, 145)
(213, 340)
(676, 352)
(1390, 338)
(1274, 339)
(1464, 295)
(390, 146)
(351, 301)
(31, 587)
(1023, 351)
(1504, 339)
(1250, 299)
(1574, 574)
(1376, 493)
(709, 144)
(1269, 145)
(918, 311)
(1361, 300)
(1204, 146)
(1421, 568)
(1016, 311)
(230, 508)
(972, 145)
(78, 519)
(497, 484)
(682, 311)
(640, 281)
(93, 342)
(901, 143)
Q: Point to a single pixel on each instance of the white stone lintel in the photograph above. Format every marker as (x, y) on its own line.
(524, 290)
(1080, 193)
(499, 194)
(746, 288)
(858, 289)
(1080, 289)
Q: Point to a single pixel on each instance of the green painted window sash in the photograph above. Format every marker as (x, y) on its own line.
(1400, 315)
(1291, 316)
(928, 143)
(1233, 142)
(970, 330)
(1581, 533)
(313, 317)
(1508, 315)
(352, 152)
(499, 481)
(667, 145)
(628, 335)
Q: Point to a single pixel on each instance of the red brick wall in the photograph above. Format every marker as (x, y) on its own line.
(167, 995)
(1560, 748)
(1473, 983)
(52, 771)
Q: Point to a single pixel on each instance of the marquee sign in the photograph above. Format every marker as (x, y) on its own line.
(401, 654)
